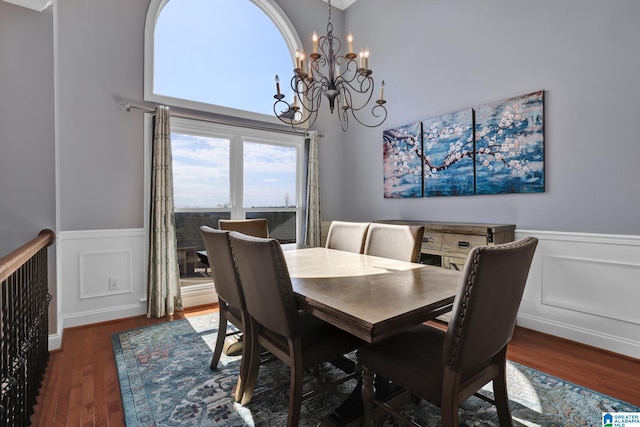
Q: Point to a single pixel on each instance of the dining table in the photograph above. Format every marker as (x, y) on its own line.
(370, 297)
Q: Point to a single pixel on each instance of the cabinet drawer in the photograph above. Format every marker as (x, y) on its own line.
(453, 263)
(461, 243)
(432, 241)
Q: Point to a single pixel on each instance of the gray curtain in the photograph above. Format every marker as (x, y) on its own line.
(313, 236)
(163, 287)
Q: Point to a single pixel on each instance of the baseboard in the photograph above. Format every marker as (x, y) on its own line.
(97, 316)
(197, 295)
(192, 296)
(584, 336)
(55, 342)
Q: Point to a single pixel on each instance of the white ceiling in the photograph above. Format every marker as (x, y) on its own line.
(41, 5)
(341, 4)
(38, 5)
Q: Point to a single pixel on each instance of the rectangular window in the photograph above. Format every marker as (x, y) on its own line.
(226, 172)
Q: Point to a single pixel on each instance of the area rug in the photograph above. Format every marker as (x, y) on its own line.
(165, 380)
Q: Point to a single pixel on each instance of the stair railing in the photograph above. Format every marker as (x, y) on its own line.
(24, 327)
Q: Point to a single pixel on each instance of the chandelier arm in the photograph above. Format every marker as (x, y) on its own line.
(378, 110)
(347, 87)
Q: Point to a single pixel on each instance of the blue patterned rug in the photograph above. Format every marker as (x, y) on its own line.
(165, 380)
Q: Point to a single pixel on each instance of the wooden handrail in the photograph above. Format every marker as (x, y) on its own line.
(13, 260)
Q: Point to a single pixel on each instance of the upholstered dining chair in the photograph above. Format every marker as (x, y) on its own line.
(297, 338)
(401, 242)
(347, 236)
(232, 307)
(257, 227)
(446, 367)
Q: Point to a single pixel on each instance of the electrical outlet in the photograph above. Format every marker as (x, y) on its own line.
(113, 283)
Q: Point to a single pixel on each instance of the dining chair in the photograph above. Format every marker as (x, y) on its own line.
(295, 337)
(257, 227)
(232, 307)
(401, 242)
(347, 236)
(446, 367)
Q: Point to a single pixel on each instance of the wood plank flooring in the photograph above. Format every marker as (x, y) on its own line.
(80, 387)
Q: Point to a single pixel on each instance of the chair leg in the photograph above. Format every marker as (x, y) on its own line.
(449, 413)
(245, 361)
(295, 396)
(368, 392)
(222, 334)
(501, 397)
(450, 400)
(253, 354)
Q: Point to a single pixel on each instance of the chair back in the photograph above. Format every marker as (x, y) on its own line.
(223, 270)
(401, 242)
(347, 236)
(266, 283)
(257, 227)
(487, 302)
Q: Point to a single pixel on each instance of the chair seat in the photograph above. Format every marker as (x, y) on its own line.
(414, 355)
(320, 340)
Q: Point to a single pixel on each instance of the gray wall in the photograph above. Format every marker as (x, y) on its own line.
(27, 132)
(438, 56)
(27, 141)
(99, 53)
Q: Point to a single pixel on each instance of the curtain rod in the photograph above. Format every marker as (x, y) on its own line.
(128, 107)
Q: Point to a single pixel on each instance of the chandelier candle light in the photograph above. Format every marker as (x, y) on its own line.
(343, 80)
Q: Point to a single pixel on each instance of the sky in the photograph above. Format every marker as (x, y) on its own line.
(202, 170)
(220, 52)
(226, 53)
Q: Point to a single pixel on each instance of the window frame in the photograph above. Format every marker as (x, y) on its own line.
(269, 7)
(237, 136)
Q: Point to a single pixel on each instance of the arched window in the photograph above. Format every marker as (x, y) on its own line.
(222, 56)
(219, 56)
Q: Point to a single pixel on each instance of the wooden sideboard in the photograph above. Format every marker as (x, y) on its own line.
(447, 244)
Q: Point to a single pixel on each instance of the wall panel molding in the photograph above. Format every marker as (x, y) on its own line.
(606, 288)
(105, 273)
(88, 262)
(586, 288)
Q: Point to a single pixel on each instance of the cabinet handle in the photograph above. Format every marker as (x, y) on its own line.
(463, 244)
(455, 266)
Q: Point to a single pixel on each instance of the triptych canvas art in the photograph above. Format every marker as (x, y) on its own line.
(491, 149)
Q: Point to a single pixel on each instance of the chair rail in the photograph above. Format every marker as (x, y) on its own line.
(24, 327)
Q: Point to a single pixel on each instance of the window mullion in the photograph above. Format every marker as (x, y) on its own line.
(237, 185)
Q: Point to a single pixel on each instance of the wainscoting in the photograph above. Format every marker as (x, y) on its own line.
(583, 287)
(586, 288)
(102, 276)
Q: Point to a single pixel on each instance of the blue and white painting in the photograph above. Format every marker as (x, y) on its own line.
(509, 145)
(449, 154)
(402, 161)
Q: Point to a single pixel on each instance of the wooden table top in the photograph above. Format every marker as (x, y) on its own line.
(368, 296)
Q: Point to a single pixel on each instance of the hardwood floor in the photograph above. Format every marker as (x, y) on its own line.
(81, 387)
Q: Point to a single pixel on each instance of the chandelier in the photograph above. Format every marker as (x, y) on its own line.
(345, 80)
